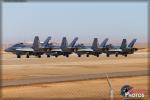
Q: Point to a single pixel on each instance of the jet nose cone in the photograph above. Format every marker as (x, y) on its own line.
(7, 50)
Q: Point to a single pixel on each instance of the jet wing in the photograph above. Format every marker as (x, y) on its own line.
(115, 50)
(25, 49)
(56, 50)
(86, 50)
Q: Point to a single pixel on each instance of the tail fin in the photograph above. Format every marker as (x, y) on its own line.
(124, 44)
(103, 44)
(46, 41)
(95, 43)
(73, 42)
(36, 43)
(132, 43)
(64, 43)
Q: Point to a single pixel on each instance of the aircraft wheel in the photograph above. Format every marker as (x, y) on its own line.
(48, 56)
(107, 55)
(39, 56)
(27, 56)
(67, 55)
(125, 55)
(116, 54)
(56, 56)
(79, 55)
(18, 56)
(87, 55)
(97, 55)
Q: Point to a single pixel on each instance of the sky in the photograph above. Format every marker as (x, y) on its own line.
(86, 20)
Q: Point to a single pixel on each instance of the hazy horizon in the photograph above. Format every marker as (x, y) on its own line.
(113, 20)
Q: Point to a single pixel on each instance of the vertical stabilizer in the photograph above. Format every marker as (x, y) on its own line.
(64, 43)
(73, 42)
(124, 44)
(46, 41)
(36, 43)
(95, 44)
(103, 44)
(132, 43)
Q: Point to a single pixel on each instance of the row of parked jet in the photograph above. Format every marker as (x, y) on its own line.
(65, 49)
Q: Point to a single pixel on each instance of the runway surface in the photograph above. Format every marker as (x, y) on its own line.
(40, 80)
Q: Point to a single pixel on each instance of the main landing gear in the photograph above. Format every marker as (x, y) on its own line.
(48, 56)
(97, 55)
(79, 55)
(107, 54)
(56, 56)
(27, 56)
(18, 56)
(87, 55)
(39, 56)
(116, 54)
(125, 55)
(67, 55)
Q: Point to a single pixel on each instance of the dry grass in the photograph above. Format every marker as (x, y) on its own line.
(18, 69)
(24, 68)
